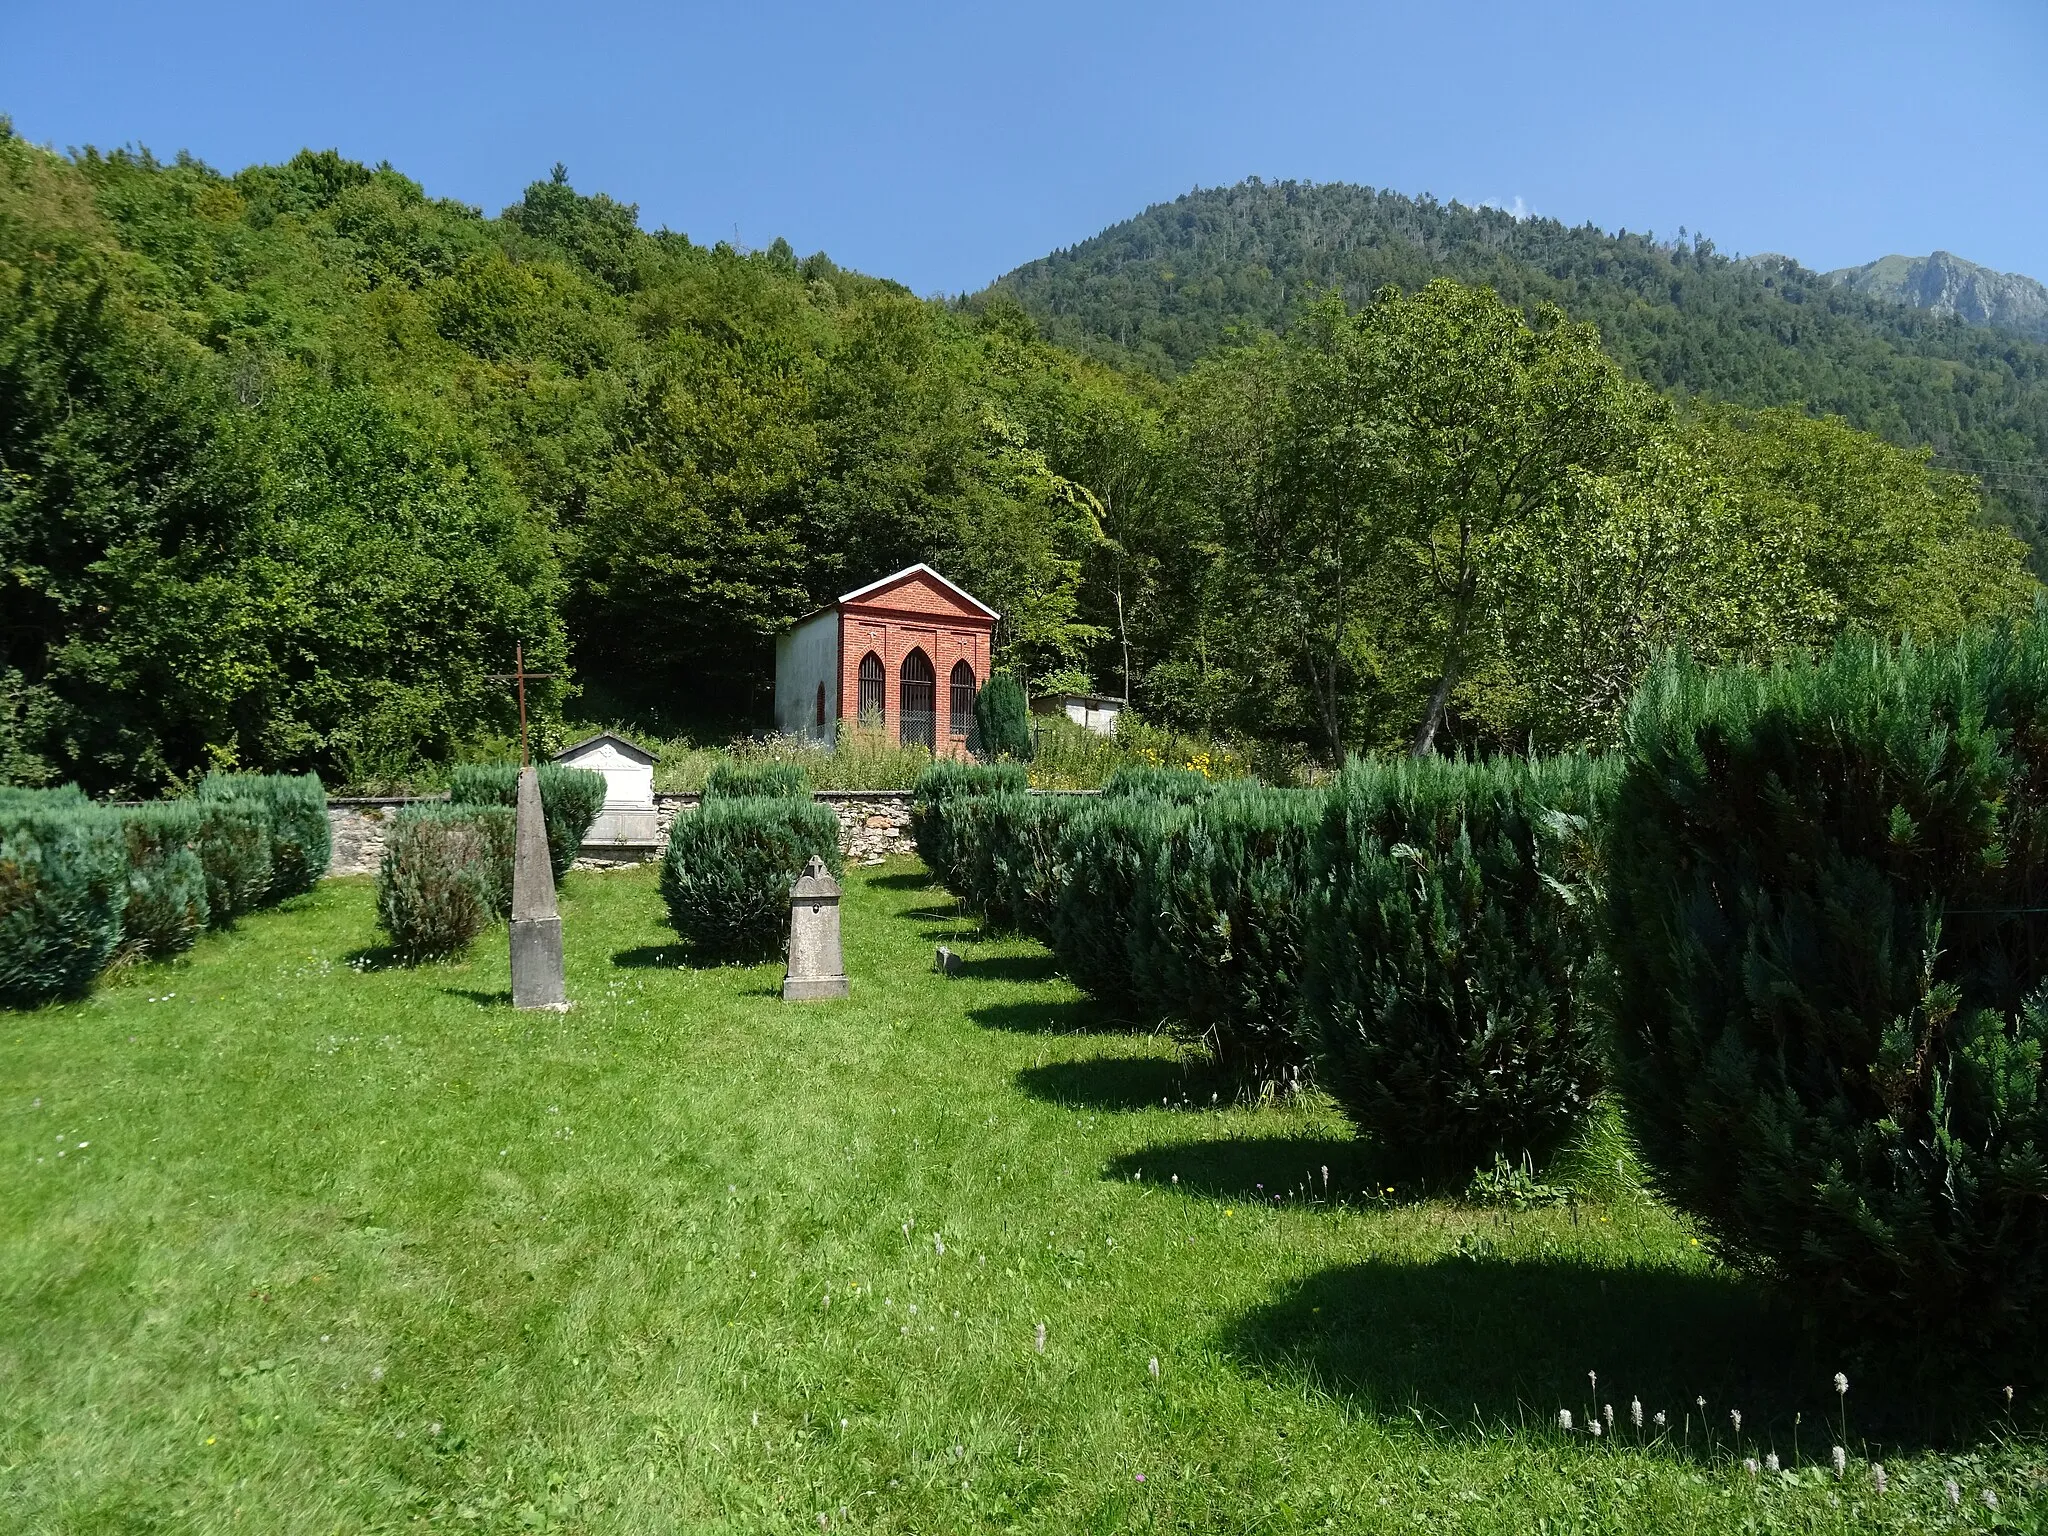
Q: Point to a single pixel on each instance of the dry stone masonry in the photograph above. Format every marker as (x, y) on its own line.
(874, 824)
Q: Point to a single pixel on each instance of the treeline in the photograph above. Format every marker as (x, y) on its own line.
(1183, 279)
(290, 459)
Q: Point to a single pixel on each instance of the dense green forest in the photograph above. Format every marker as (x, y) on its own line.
(1174, 284)
(291, 458)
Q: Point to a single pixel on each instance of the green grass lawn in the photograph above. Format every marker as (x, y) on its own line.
(293, 1241)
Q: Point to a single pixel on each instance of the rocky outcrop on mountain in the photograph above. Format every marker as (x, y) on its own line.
(1948, 285)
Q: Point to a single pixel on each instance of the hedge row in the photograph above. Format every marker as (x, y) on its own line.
(1827, 909)
(81, 884)
(570, 801)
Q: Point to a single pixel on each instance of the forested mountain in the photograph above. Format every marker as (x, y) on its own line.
(1944, 284)
(291, 459)
(1182, 278)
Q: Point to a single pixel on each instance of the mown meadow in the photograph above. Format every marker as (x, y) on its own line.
(300, 1240)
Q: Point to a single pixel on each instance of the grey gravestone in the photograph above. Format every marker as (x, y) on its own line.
(536, 926)
(816, 970)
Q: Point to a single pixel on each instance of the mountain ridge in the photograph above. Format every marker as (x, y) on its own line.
(1182, 279)
(1944, 283)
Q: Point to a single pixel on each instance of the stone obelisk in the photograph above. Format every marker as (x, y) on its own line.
(536, 925)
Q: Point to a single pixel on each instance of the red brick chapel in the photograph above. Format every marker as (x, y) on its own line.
(906, 652)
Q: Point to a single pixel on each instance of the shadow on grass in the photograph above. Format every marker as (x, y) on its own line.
(661, 957)
(1064, 1016)
(1483, 1340)
(373, 957)
(906, 880)
(1257, 1167)
(498, 999)
(1113, 1083)
(1020, 968)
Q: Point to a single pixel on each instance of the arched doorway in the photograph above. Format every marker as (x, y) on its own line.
(917, 700)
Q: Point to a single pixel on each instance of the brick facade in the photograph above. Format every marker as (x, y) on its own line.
(915, 610)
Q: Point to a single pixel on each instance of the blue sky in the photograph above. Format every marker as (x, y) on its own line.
(942, 145)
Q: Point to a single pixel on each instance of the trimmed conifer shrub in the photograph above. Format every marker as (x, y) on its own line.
(166, 909)
(757, 781)
(1002, 720)
(1182, 786)
(931, 800)
(301, 841)
(437, 887)
(726, 876)
(1222, 933)
(1026, 870)
(63, 886)
(1828, 911)
(234, 851)
(1452, 960)
(1104, 852)
(570, 802)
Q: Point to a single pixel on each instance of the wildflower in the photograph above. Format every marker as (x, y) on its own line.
(1771, 1462)
(1749, 1465)
(1176, 1178)
(1841, 1385)
(2008, 1397)
(376, 1373)
(1702, 1403)
(1564, 1420)
(1955, 1494)
(939, 1243)
(1877, 1477)
(1154, 1367)
(1593, 1428)
(1990, 1498)
(1735, 1418)
(1841, 1458)
(1635, 1412)
(1607, 1413)
(1039, 1340)
(1593, 1381)
(1141, 1477)
(1326, 1176)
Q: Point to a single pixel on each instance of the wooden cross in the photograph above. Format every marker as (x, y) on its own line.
(519, 675)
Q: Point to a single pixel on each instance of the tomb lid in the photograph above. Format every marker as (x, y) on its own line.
(814, 884)
(618, 743)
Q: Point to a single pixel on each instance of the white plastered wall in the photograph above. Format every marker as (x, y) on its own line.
(805, 657)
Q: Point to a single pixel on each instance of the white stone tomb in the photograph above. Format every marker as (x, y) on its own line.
(625, 829)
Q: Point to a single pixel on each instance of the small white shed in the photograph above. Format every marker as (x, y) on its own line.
(625, 828)
(1090, 711)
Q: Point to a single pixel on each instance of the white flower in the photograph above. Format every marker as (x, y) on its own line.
(1841, 1459)
(1153, 1367)
(1039, 1339)
(1635, 1412)
(1877, 1477)
(1659, 1419)
(1564, 1420)
(1749, 1465)
(1955, 1494)
(1990, 1498)
(1593, 1427)
(1841, 1385)
(1735, 1418)
(939, 1243)
(1771, 1462)
(1593, 1381)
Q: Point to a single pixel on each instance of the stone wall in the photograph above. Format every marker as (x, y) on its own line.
(873, 825)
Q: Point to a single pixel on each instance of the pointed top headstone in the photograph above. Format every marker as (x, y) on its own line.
(533, 877)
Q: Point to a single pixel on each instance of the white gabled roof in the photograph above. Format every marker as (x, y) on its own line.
(911, 570)
(630, 749)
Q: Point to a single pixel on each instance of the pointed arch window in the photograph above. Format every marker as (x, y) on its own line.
(962, 712)
(821, 709)
(917, 700)
(873, 683)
